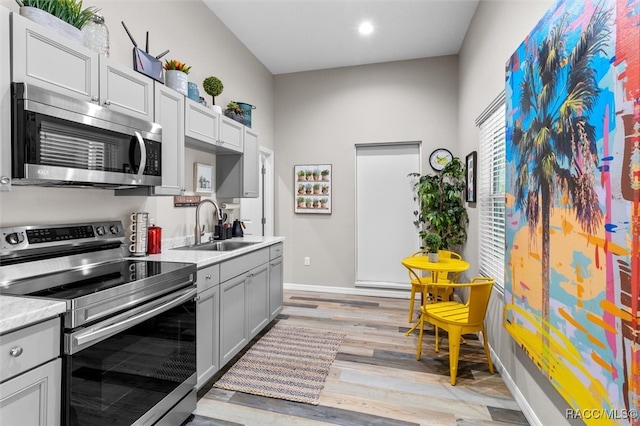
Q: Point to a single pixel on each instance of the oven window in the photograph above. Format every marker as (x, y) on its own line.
(116, 381)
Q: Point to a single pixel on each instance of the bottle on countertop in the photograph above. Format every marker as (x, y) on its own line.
(154, 238)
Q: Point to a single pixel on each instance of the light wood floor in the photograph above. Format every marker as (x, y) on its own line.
(375, 379)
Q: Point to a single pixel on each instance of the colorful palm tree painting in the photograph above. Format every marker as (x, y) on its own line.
(572, 278)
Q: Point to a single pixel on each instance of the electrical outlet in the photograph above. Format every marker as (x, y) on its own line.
(307, 261)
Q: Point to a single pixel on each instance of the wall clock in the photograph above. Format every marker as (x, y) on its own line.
(439, 158)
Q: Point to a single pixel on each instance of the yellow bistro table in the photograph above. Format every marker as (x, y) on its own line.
(444, 264)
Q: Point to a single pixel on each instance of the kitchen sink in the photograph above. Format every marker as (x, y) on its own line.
(219, 246)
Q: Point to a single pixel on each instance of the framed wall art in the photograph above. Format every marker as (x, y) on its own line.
(312, 188)
(203, 178)
(470, 167)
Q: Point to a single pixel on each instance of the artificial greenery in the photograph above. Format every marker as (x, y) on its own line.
(70, 11)
(176, 65)
(442, 208)
(432, 242)
(213, 86)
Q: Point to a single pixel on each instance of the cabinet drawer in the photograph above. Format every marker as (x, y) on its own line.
(275, 251)
(208, 277)
(36, 345)
(240, 265)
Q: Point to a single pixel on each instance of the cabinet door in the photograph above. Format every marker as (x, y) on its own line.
(208, 334)
(38, 56)
(250, 165)
(33, 398)
(5, 100)
(231, 134)
(233, 318)
(125, 90)
(276, 281)
(202, 126)
(258, 299)
(169, 113)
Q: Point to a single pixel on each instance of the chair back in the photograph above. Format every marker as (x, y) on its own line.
(447, 254)
(479, 293)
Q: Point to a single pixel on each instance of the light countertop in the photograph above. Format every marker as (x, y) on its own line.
(17, 312)
(205, 257)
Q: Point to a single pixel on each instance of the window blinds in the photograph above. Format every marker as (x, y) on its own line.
(491, 190)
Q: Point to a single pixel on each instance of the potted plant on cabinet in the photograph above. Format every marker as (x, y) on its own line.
(441, 205)
(432, 243)
(213, 86)
(66, 17)
(176, 76)
(234, 112)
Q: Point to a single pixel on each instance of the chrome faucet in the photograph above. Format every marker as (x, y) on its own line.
(199, 232)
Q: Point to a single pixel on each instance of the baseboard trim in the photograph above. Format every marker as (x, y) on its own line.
(515, 391)
(396, 294)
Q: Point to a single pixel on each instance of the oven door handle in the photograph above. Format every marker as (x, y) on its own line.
(84, 338)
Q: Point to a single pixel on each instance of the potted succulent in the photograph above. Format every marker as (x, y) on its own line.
(432, 242)
(66, 17)
(213, 86)
(176, 75)
(325, 174)
(300, 202)
(300, 188)
(234, 112)
(316, 188)
(301, 175)
(325, 189)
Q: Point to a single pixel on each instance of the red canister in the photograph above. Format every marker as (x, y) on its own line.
(154, 239)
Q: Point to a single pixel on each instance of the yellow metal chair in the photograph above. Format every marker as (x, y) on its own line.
(422, 284)
(458, 319)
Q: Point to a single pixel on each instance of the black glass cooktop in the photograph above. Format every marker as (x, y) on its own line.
(82, 282)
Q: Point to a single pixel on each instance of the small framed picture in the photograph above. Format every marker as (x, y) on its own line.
(203, 178)
(470, 189)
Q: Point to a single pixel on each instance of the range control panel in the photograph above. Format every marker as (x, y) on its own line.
(23, 237)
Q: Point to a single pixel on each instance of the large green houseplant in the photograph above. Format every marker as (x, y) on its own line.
(441, 205)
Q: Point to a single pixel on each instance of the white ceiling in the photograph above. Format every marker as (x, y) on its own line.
(302, 35)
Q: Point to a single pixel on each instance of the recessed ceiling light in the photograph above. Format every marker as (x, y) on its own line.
(365, 28)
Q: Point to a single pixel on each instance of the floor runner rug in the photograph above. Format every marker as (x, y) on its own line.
(289, 363)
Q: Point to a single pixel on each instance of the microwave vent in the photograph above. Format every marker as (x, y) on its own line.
(73, 147)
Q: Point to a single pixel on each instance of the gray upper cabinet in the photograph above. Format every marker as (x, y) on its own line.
(84, 76)
(5, 100)
(202, 126)
(36, 48)
(125, 90)
(238, 176)
(231, 135)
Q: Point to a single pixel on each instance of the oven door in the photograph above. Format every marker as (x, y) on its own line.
(132, 368)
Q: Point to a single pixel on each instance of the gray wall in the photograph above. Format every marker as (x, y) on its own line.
(498, 27)
(195, 36)
(320, 116)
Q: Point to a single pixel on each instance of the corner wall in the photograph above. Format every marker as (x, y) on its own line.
(320, 117)
(498, 27)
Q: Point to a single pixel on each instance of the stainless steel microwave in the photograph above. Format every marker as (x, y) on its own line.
(58, 140)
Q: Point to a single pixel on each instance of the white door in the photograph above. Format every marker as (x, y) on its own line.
(385, 232)
(258, 213)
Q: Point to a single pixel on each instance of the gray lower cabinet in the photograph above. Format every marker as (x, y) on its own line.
(275, 287)
(258, 299)
(234, 333)
(31, 375)
(248, 297)
(208, 324)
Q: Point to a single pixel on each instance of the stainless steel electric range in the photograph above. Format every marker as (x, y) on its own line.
(129, 355)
